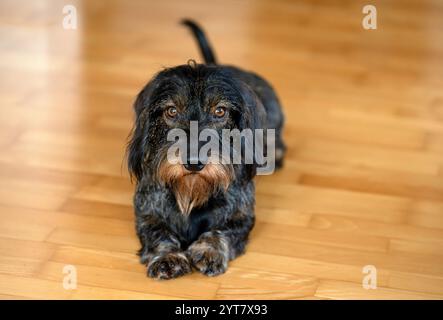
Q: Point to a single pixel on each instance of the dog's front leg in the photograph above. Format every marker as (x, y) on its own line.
(160, 250)
(211, 252)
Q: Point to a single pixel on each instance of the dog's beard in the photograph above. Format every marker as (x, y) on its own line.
(193, 189)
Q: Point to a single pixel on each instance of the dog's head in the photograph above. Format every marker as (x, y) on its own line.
(209, 96)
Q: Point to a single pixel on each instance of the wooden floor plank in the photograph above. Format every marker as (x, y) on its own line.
(346, 290)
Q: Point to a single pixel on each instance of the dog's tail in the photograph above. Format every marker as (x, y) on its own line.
(203, 43)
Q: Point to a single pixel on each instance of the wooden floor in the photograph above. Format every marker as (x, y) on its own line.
(363, 181)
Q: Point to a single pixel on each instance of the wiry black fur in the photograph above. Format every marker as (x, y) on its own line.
(216, 232)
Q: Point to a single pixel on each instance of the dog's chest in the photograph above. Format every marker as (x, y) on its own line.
(198, 222)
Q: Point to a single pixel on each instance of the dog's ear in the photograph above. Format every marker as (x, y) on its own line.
(253, 116)
(138, 146)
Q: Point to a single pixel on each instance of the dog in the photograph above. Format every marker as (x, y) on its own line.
(196, 215)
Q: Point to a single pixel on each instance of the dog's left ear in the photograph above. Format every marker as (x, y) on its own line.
(138, 146)
(254, 114)
(253, 117)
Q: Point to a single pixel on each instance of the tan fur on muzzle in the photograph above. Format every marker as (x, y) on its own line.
(193, 189)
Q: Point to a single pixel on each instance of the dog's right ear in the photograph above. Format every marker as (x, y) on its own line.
(138, 146)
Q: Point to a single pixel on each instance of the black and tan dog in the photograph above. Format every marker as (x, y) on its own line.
(196, 215)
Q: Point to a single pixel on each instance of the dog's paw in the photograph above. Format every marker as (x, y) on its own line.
(207, 259)
(168, 266)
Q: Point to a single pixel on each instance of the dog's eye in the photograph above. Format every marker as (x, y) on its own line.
(171, 112)
(220, 112)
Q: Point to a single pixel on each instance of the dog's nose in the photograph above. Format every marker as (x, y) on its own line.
(194, 166)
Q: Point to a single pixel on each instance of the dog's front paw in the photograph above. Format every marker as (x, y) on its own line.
(207, 259)
(168, 266)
